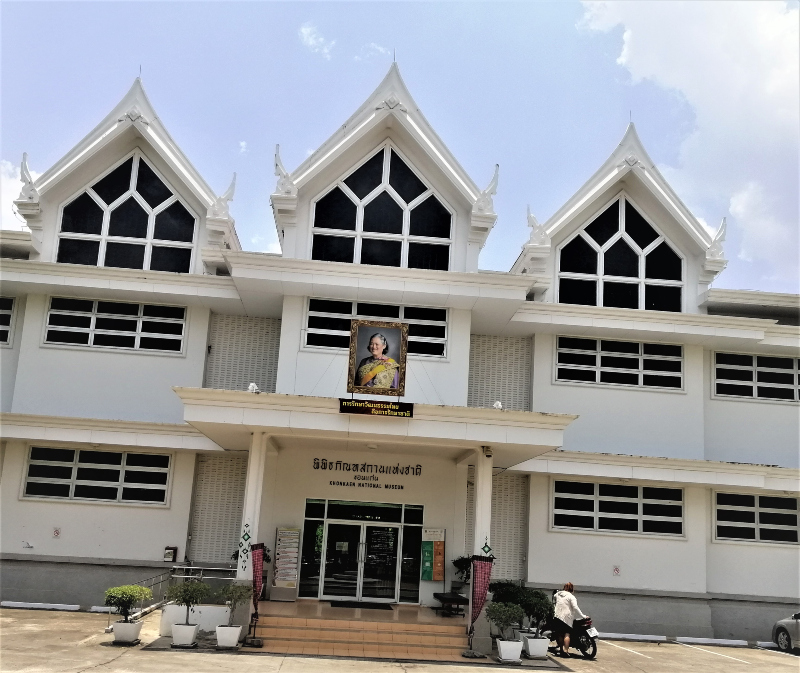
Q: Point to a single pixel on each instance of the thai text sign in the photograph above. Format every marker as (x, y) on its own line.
(373, 408)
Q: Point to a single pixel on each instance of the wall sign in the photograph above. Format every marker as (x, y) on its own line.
(373, 408)
(432, 554)
(367, 475)
(287, 553)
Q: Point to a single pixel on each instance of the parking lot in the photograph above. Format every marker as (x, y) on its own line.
(36, 641)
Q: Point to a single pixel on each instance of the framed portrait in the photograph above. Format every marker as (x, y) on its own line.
(377, 357)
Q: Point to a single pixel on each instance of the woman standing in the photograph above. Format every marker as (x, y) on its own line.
(566, 612)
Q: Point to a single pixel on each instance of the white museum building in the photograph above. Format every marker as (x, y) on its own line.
(645, 446)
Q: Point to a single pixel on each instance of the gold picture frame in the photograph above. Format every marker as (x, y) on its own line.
(370, 375)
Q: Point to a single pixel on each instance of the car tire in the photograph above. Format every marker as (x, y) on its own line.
(783, 640)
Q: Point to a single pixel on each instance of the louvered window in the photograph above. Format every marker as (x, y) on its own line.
(6, 316)
(762, 377)
(759, 518)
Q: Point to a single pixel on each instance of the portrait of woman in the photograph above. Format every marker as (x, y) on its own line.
(378, 370)
(377, 357)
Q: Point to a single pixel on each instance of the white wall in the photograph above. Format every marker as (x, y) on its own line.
(9, 356)
(89, 530)
(323, 373)
(633, 421)
(96, 383)
(646, 562)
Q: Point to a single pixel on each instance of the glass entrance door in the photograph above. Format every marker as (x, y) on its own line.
(342, 560)
(379, 575)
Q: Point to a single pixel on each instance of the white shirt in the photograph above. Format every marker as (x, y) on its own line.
(567, 609)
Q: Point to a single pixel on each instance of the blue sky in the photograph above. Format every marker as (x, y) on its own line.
(545, 89)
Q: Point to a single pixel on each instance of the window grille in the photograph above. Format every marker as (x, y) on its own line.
(763, 377)
(115, 324)
(759, 518)
(617, 508)
(384, 214)
(626, 363)
(620, 260)
(128, 219)
(6, 314)
(328, 324)
(80, 474)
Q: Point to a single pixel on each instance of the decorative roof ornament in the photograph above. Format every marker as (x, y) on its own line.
(134, 115)
(220, 209)
(715, 251)
(285, 184)
(631, 161)
(485, 203)
(28, 192)
(392, 102)
(538, 232)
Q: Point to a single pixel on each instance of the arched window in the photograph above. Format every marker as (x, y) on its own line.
(619, 259)
(128, 219)
(384, 214)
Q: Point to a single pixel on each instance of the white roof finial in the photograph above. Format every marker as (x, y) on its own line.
(538, 233)
(285, 184)
(220, 207)
(28, 191)
(715, 251)
(485, 202)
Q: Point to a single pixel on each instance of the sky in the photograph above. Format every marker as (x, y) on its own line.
(545, 89)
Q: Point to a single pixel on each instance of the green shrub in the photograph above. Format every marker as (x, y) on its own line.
(235, 595)
(537, 607)
(463, 566)
(505, 591)
(188, 593)
(125, 597)
(504, 616)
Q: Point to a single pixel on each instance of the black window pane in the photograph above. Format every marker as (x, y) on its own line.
(326, 306)
(155, 344)
(116, 324)
(63, 304)
(776, 393)
(162, 327)
(177, 260)
(734, 359)
(100, 458)
(775, 377)
(587, 359)
(5, 319)
(6, 303)
(150, 186)
(157, 311)
(413, 514)
(662, 298)
(652, 509)
(734, 374)
(736, 533)
(174, 224)
(619, 347)
(72, 251)
(333, 248)
(619, 363)
(116, 183)
(605, 225)
(577, 344)
(82, 216)
(576, 504)
(575, 487)
(66, 320)
(128, 219)
(775, 363)
(58, 336)
(573, 521)
(777, 535)
(637, 227)
(576, 375)
(324, 322)
(335, 210)
(667, 527)
(45, 489)
(96, 474)
(117, 308)
(3, 336)
(621, 260)
(772, 502)
(430, 218)
(383, 215)
(311, 559)
(618, 507)
(619, 377)
(419, 313)
(426, 256)
(619, 491)
(610, 523)
(777, 519)
(96, 492)
(663, 349)
(141, 477)
(403, 179)
(736, 500)
(583, 292)
(663, 263)
(367, 177)
(431, 331)
(315, 509)
(620, 295)
(739, 391)
(50, 471)
(124, 256)
(425, 348)
(578, 256)
(410, 564)
(736, 515)
(146, 460)
(327, 340)
(143, 494)
(378, 310)
(380, 253)
(114, 340)
(662, 365)
(661, 381)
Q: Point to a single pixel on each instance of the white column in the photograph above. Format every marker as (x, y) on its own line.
(251, 509)
(483, 499)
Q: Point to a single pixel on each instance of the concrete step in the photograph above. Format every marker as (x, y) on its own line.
(387, 651)
(362, 636)
(340, 624)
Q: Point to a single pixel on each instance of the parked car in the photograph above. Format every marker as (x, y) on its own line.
(786, 633)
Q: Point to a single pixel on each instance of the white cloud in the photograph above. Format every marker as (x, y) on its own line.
(10, 185)
(738, 65)
(242, 147)
(370, 50)
(260, 245)
(313, 39)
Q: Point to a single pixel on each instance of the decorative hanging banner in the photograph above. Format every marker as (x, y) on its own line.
(373, 408)
(257, 561)
(481, 577)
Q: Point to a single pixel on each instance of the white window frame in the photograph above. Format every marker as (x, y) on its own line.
(357, 316)
(120, 484)
(140, 318)
(754, 368)
(149, 241)
(598, 368)
(756, 509)
(405, 237)
(600, 277)
(596, 498)
(9, 343)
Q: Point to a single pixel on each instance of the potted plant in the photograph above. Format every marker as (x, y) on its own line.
(234, 595)
(504, 616)
(538, 608)
(463, 566)
(187, 593)
(123, 599)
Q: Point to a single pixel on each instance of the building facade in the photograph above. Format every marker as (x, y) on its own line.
(645, 448)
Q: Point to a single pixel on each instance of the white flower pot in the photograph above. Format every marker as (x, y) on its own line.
(184, 634)
(127, 632)
(536, 648)
(228, 636)
(509, 650)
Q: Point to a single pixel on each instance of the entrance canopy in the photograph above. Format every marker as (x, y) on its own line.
(230, 417)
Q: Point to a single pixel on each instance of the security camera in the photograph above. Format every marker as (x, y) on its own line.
(487, 451)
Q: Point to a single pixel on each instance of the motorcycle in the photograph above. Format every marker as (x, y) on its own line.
(584, 637)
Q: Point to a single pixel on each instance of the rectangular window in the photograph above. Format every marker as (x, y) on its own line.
(759, 518)
(624, 363)
(617, 508)
(6, 315)
(328, 324)
(109, 476)
(762, 377)
(115, 324)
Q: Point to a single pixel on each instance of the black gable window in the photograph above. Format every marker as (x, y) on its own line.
(128, 219)
(382, 214)
(620, 260)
